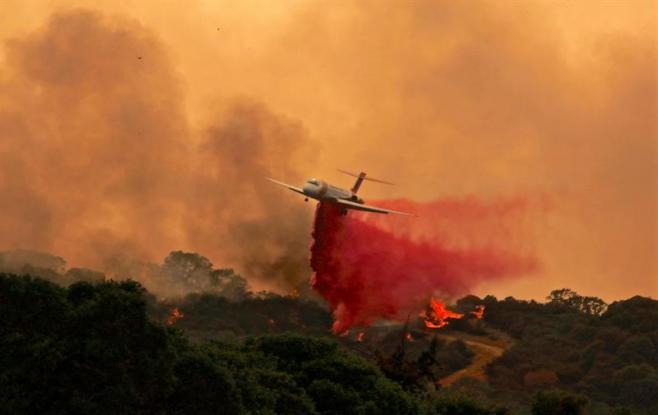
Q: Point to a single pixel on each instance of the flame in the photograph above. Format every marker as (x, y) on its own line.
(409, 337)
(479, 311)
(438, 315)
(174, 315)
(271, 321)
(359, 336)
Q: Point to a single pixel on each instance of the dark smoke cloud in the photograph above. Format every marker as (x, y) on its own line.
(98, 163)
(260, 226)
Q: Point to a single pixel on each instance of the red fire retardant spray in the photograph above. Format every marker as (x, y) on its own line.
(371, 267)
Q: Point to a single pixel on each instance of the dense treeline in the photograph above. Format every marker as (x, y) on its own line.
(209, 316)
(178, 274)
(215, 304)
(90, 345)
(575, 343)
(92, 348)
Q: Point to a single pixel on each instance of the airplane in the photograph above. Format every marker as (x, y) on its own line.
(346, 199)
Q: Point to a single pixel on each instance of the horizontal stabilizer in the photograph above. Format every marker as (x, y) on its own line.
(363, 177)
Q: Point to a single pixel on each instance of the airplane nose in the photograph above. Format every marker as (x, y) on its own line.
(310, 189)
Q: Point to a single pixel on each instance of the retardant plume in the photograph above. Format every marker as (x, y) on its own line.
(368, 272)
(503, 224)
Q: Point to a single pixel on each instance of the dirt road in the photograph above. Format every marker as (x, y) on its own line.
(486, 350)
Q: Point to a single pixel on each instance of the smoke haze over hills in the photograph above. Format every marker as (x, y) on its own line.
(142, 128)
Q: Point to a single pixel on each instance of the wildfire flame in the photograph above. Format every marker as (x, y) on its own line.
(438, 315)
(359, 336)
(479, 311)
(174, 315)
(409, 337)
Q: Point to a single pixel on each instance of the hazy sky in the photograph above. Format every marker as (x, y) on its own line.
(542, 99)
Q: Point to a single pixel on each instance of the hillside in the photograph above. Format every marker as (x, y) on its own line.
(109, 347)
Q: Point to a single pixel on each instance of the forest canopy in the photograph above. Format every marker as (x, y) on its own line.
(101, 346)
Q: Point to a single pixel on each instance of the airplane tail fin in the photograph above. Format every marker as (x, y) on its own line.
(360, 178)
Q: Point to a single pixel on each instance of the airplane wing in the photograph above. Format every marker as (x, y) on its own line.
(366, 208)
(293, 188)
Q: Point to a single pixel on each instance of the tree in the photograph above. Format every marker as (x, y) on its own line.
(593, 306)
(540, 378)
(195, 272)
(189, 269)
(589, 305)
(455, 404)
(204, 387)
(427, 361)
(637, 314)
(88, 349)
(337, 381)
(558, 403)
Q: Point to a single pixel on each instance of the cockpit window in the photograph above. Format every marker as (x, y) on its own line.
(314, 181)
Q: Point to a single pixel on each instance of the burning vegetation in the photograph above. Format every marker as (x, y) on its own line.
(174, 315)
(437, 315)
(479, 311)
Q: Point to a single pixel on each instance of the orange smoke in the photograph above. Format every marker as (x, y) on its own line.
(174, 315)
(461, 112)
(438, 315)
(99, 163)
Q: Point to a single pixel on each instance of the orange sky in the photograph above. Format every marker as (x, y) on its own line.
(447, 99)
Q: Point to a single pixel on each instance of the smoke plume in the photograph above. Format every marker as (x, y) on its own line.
(236, 212)
(99, 165)
(104, 154)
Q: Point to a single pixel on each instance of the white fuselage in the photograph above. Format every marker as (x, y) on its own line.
(323, 191)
